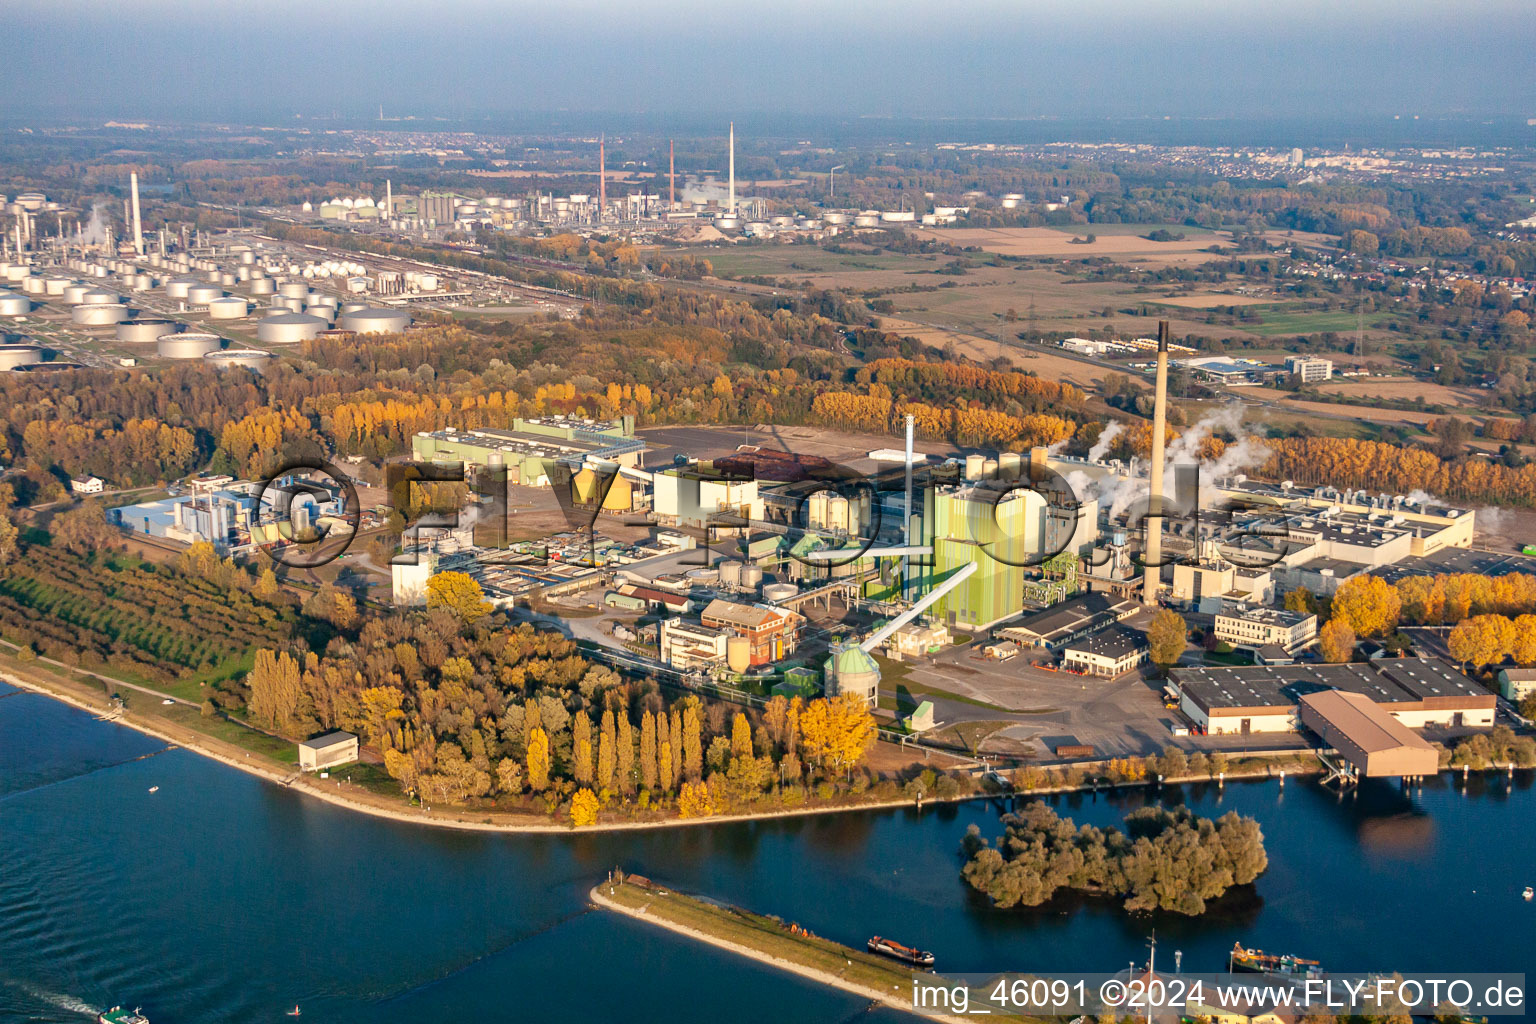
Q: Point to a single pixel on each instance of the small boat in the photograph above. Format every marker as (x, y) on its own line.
(1257, 961)
(295, 1011)
(118, 1015)
(154, 789)
(896, 951)
(1529, 893)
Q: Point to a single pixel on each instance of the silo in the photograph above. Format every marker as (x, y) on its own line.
(1010, 465)
(375, 321)
(288, 328)
(144, 330)
(250, 358)
(730, 574)
(12, 356)
(850, 669)
(738, 654)
(751, 576)
(989, 469)
(191, 345)
(12, 304)
(837, 514)
(97, 313)
(816, 510)
(228, 308)
(973, 466)
(202, 294)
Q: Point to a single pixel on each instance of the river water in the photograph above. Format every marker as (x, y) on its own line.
(225, 898)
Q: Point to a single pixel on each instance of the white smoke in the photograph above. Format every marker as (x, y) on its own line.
(1112, 430)
(95, 233)
(1493, 520)
(1418, 497)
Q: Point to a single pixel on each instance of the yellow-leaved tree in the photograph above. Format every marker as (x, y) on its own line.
(835, 732)
(458, 592)
(1369, 605)
(538, 760)
(693, 801)
(584, 808)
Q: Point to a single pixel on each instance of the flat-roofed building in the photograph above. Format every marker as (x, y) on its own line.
(1418, 692)
(688, 645)
(327, 751)
(1253, 628)
(1516, 684)
(1069, 620)
(1310, 369)
(1109, 653)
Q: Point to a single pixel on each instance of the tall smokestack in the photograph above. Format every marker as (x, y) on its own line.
(138, 230)
(671, 174)
(389, 197)
(602, 177)
(1154, 546)
(731, 207)
(906, 525)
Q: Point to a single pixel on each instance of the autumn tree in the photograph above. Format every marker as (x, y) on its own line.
(1336, 642)
(693, 740)
(538, 760)
(606, 741)
(648, 770)
(741, 736)
(1167, 635)
(835, 732)
(624, 767)
(584, 807)
(1369, 605)
(275, 690)
(1522, 645)
(694, 801)
(581, 749)
(9, 548)
(459, 593)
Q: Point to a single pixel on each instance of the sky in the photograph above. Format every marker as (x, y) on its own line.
(897, 58)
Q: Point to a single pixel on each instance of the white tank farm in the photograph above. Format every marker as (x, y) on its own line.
(98, 313)
(33, 285)
(202, 294)
(145, 330)
(12, 304)
(12, 356)
(289, 328)
(250, 358)
(191, 345)
(227, 308)
(375, 321)
(17, 271)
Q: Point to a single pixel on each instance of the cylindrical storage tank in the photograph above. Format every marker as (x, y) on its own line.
(730, 574)
(100, 295)
(837, 514)
(727, 223)
(989, 469)
(191, 345)
(751, 576)
(33, 285)
(1009, 465)
(75, 293)
(866, 220)
(375, 321)
(141, 282)
(145, 330)
(738, 654)
(228, 280)
(56, 285)
(247, 257)
(202, 294)
(293, 289)
(262, 286)
(12, 356)
(775, 592)
(973, 466)
(288, 328)
(834, 218)
(326, 313)
(212, 274)
(17, 271)
(177, 287)
(12, 304)
(96, 313)
(250, 358)
(353, 307)
(427, 282)
(227, 308)
(323, 300)
(291, 305)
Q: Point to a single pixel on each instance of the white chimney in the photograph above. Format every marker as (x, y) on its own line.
(138, 232)
(731, 206)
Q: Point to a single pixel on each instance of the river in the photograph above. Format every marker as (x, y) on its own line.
(222, 897)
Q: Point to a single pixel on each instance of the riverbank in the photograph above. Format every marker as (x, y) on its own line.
(92, 699)
(769, 941)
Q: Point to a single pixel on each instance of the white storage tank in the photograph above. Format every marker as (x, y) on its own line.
(191, 345)
(33, 285)
(751, 576)
(202, 294)
(144, 330)
(262, 286)
(730, 574)
(97, 313)
(293, 289)
(75, 293)
(12, 304)
(375, 321)
(289, 328)
(177, 287)
(12, 356)
(228, 308)
(974, 466)
(776, 592)
(250, 358)
(56, 284)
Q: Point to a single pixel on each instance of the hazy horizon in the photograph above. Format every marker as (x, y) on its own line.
(1096, 58)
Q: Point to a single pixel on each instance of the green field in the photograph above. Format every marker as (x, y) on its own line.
(789, 261)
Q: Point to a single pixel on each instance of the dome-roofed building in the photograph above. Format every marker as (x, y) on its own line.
(851, 669)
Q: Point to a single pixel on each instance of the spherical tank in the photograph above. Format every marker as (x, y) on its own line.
(228, 308)
(288, 328)
(12, 304)
(99, 313)
(375, 321)
(12, 356)
(144, 330)
(191, 345)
